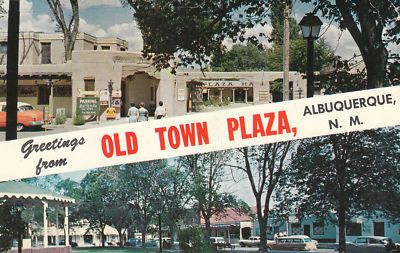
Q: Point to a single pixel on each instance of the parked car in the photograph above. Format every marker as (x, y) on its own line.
(294, 242)
(134, 242)
(367, 244)
(73, 244)
(251, 242)
(219, 242)
(27, 116)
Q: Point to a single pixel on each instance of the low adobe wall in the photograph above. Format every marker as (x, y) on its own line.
(54, 249)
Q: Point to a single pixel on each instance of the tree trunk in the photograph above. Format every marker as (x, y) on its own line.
(143, 236)
(376, 62)
(342, 223)
(263, 233)
(20, 243)
(208, 228)
(121, 241)
(103, 239)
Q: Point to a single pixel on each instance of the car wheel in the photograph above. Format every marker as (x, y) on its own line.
(20, 127)
(242, 244)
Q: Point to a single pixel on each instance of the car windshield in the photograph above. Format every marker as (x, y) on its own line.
(23, 108)
(307, 240)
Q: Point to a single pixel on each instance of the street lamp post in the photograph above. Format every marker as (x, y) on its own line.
(51, 96)
(110, 90)
(310, 26)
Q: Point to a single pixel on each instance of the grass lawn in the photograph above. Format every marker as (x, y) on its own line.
(112, 250)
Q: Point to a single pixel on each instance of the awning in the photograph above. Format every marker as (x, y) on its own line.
(40, 75)
(13, 190)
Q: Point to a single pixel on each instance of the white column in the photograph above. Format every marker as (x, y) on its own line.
(66, 227)
(233, 95)
(57, 235)
(208, 94)
(45, 224)
(245, 95)
(220, 95)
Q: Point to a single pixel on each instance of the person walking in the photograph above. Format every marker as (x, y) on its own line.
(132, 113)
(142, 113)
(160, 111)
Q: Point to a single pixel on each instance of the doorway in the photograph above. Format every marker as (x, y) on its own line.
(307, 230)
(379, 228)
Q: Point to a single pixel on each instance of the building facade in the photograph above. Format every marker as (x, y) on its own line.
(103, 68)
(326, 231)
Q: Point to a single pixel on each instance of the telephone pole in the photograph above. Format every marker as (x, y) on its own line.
(286, 49)
(12, 69)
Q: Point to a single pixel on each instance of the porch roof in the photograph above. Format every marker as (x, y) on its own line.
(15, 190)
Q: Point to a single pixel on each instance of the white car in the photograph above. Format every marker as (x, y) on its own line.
(251, 242)
(367, 244)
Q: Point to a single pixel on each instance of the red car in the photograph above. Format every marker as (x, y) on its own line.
(27, 116)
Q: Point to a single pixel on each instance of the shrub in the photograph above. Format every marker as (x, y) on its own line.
(79, 119)
(192, 240)
(61, 119)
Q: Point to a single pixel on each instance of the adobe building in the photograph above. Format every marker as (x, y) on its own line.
(101, 65)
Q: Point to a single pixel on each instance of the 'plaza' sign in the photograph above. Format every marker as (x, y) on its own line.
(226, 83)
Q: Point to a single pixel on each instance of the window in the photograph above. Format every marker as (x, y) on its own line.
(46, 53)
(318, 228)
(89, 85)
(122, 49)
(44, 94)
(361, 240)
(105, 47)
(3, 47)
(296, 229)
(95, 47)
(353, 229)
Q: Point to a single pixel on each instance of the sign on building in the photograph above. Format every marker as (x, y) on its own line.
(226, 83)
(89, 105)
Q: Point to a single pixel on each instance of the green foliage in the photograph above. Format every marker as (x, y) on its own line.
(12, 226)
(346, 173)
(324, 56)
(241, 58)
(192, 240)
(61, 119)
(2, 10)
(194, 29)
(79, 119)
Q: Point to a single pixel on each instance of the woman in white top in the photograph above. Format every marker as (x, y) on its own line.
(160, 111)
(132, 113)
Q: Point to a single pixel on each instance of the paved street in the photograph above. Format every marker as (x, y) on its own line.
(243, 250)
(68, 127)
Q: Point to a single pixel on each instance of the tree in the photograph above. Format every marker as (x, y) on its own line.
(207, 173)
(372, 24)
(195, 31)
(69, 28)
(191, 28)
(144, 194)
(263, 166)
(241, 58)
(174, 185)
(12, 226)
(96, 187)
(343, 173)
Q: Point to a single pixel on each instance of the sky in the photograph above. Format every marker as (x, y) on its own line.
(108, 18)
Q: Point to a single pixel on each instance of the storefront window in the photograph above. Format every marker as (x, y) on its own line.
(353, 229)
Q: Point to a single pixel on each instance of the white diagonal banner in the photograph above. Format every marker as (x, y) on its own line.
(199, 133)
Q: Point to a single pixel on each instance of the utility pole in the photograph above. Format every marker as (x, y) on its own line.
(286, 48)
(12, 69)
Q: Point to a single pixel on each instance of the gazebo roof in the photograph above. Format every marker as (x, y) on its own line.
(14, 190)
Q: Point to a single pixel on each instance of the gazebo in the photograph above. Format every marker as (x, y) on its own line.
(26, 194)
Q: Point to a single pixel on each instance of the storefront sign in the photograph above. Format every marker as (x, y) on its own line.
(199, 133)
(89, 105)
(226, 83)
